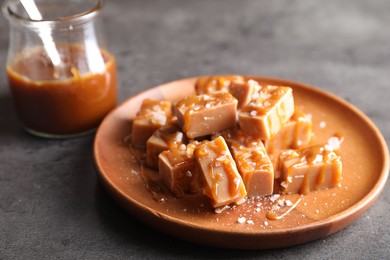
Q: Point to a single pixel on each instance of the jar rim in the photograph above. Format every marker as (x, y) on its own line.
(74, 18)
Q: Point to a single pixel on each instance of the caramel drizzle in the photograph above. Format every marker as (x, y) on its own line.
(310, 155)
(269, 97)
(219, 148)
(272, 215)
(247, 165)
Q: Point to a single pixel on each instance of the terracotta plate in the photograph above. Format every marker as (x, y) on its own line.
(364, 155)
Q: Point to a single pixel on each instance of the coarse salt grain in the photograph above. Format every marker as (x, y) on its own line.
(241, 220)
(289, 203)
(281, 202)
(179, 136)
(158, 118)
(274, 197)
(255, 95)
(253, 113)
(333, 143)
(322, 124)
(250, 222)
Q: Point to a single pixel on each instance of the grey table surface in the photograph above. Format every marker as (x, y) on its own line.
(51, 203)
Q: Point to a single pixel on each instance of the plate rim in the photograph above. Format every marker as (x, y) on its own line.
(355, 210)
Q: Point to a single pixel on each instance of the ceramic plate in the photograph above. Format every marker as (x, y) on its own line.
(364, 156)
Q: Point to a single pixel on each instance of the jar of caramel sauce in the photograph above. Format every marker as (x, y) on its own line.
(62, 78)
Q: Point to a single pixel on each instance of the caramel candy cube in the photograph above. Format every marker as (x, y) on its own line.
(308, 169)
(207, 113)
(165, 138)
(270, 108)
(243, 91)
(221, 181)
(252, 162)
(208, 85)
(297, 132)
(152, 115)
(178, 171)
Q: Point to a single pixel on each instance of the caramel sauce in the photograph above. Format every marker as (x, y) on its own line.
(246, 149)
(272, 215)
(72, 104)
(266, 98)
(313, 155)
(222, 158)
(247, 153)
(250, 158)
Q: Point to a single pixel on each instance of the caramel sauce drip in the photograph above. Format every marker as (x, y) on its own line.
(176, 156)
(301, 133)
(218, 147)
(272, 215)
(247, 153)
(249, 159)
(314, 155)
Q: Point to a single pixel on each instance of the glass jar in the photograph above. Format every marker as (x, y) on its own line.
(61, 76)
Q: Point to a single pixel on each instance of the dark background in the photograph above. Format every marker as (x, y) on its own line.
(51, 204)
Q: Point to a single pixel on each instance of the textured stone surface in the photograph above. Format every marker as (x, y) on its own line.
(51, 204)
